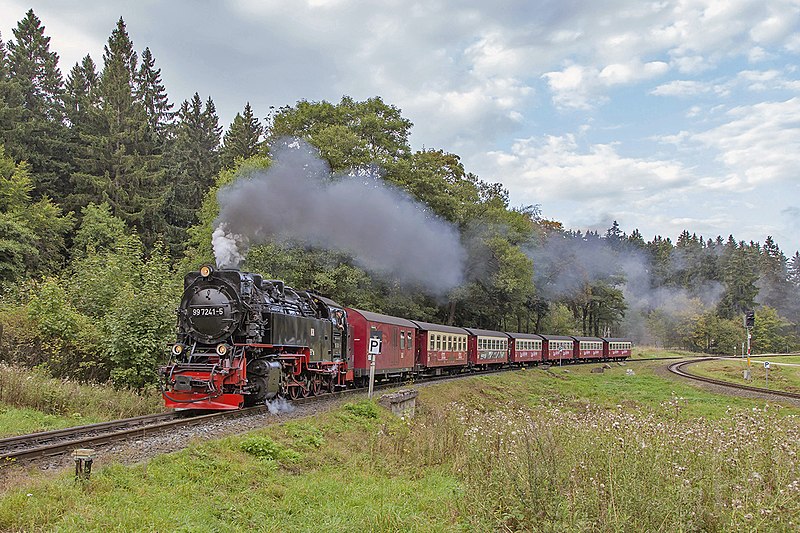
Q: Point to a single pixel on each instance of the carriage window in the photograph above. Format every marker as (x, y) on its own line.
(431, 342)
(402, 340)
(438, 342)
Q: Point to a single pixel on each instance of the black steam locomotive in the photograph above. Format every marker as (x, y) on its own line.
(243, 340)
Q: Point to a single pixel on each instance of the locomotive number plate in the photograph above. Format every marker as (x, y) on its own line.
(216, 310)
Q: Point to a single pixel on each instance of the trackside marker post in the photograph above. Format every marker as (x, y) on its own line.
(375, 346)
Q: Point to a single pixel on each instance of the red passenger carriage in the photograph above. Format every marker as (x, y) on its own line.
(617, 349)
(487, 347)
(558, 348)
(525, 348)
(588, 348)
(440, 348)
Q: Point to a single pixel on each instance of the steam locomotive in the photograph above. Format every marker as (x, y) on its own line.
(243, 340)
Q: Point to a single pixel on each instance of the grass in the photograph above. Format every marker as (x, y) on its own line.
(15, 421)
(30, 401)
(649, 352)
(558, 450)
(781, 377)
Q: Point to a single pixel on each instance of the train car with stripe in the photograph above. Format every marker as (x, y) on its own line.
(487, 348)
(617, 349)
(525, 348)
(588, 348)
(440, 349)
(558, 348)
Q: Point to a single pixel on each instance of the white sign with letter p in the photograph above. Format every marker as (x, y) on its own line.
(375, 345)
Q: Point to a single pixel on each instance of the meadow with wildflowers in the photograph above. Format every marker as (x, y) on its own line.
(537, 450)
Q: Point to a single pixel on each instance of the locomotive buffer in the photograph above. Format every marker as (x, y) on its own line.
(375, 346)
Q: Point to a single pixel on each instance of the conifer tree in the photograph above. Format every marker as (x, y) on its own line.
(35, 108)
(193, 165)
(794, 270)
(122, 165)
(153, 95)
(243, 138)
(6, 96)
(80, 95)
(774, 280)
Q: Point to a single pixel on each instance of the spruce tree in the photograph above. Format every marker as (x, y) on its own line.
(243, 139)
(153, 96)
(794, 270)
(193, 166)
(35, 107)
(122, 166)
(774, 281)
(6, 97)
(80, 95)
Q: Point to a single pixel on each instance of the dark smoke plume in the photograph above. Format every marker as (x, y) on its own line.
(297, 200)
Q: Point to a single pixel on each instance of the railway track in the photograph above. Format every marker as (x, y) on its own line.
(679, 369)
(59, 442)
(25, 448)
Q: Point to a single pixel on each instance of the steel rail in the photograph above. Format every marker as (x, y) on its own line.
(678, 369)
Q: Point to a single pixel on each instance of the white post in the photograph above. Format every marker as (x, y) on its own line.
(371, 375)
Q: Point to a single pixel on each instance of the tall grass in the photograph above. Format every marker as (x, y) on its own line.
(614, 469)
(29, 389)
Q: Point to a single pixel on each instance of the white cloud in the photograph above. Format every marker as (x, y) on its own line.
(683, 88)
(552, 167)
(760, 143)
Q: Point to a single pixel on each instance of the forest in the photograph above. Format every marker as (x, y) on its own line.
(108, 196)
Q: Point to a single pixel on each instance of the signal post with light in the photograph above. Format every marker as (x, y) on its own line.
(749, 324)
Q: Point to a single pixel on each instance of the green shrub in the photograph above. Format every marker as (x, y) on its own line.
(363, 409)
(266, 449)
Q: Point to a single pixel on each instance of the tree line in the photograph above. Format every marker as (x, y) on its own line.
(108, 196)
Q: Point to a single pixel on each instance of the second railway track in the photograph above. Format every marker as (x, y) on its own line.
(680, 369)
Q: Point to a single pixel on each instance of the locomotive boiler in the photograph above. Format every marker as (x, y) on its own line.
(242, 340)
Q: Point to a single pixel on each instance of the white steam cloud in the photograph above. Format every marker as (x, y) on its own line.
(387, 232)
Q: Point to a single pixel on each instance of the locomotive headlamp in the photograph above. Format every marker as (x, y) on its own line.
(222, 349)
(205, 271)
(177, 349)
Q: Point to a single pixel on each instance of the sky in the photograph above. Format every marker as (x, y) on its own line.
(662, 115)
